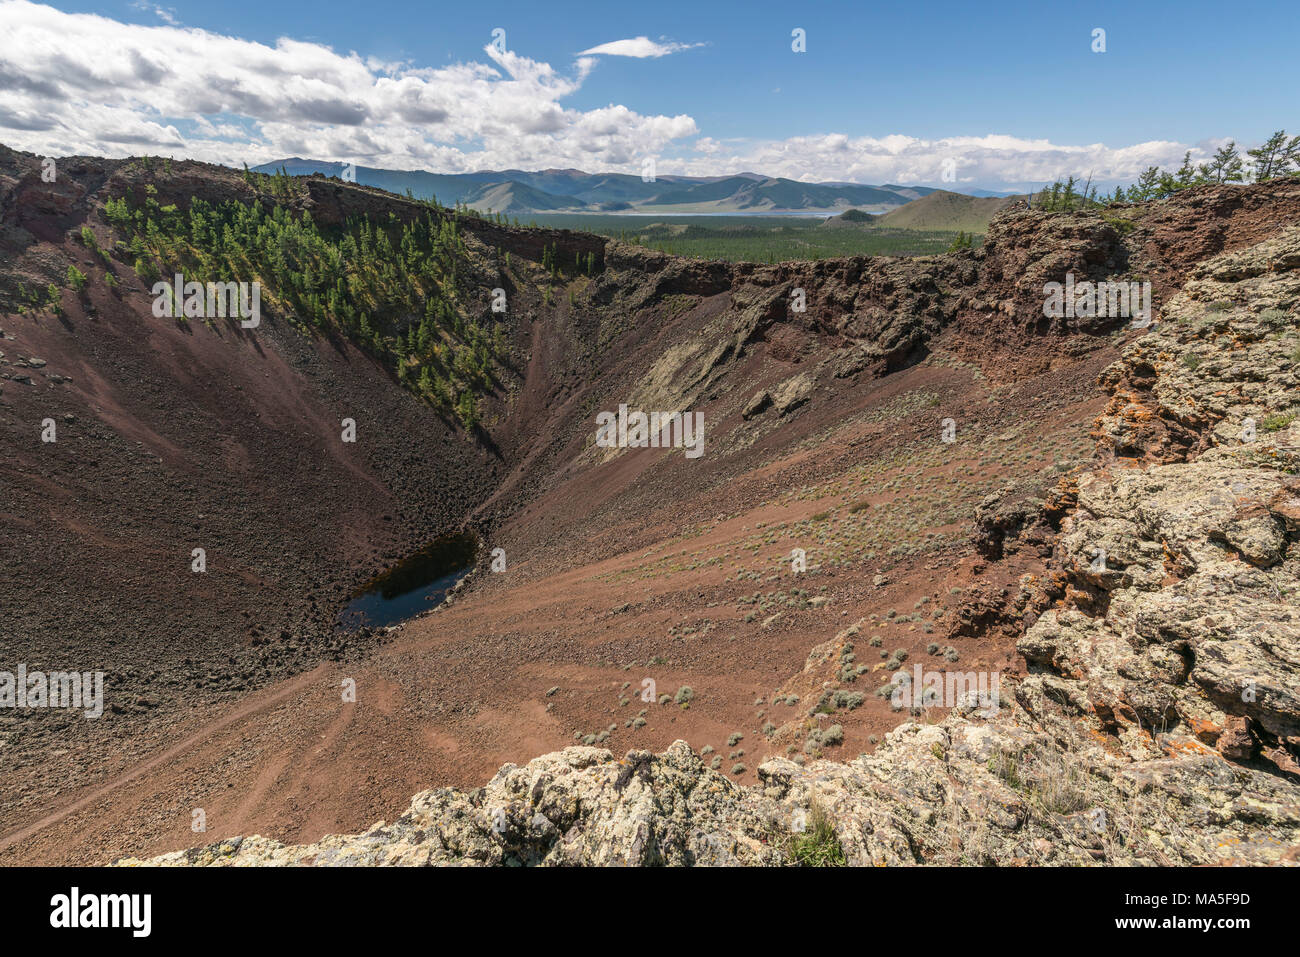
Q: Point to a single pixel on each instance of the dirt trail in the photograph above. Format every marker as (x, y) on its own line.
(185, 747)
(463, 690)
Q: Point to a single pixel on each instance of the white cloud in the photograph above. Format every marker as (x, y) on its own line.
(165, 14)
(82, 83)
(639, 47)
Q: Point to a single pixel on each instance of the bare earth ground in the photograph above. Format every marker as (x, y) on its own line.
(463, 690)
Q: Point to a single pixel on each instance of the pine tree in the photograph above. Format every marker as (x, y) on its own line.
(1225, 167)
(466, 410)
(1147, 185)
(1275, 157)
(1068, 196)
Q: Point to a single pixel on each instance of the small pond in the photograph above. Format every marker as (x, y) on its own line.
(416, 584)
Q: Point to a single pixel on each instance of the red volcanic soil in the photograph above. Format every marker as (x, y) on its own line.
(660, 592)
(226, 690)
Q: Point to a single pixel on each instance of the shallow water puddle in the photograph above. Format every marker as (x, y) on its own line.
(416, 584)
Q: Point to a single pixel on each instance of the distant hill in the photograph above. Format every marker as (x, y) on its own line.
(520, 191)
(741, 194)
(941, 209)
(850, 218)
(513, 197)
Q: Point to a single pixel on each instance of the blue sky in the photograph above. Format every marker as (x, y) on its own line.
(1009, 92)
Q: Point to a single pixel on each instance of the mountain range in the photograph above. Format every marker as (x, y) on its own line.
(515, 191)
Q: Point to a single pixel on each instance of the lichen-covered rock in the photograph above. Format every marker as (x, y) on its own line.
(1219, 368)
(792, 393)
(756, 405)
(1198, 631)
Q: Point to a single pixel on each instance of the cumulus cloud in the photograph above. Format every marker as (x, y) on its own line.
(639, 47)
(88, 84)
(82, 83)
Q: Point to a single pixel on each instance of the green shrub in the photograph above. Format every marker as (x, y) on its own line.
(146, 270)
(818, 845)
(849, 700)
(1121, 225)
